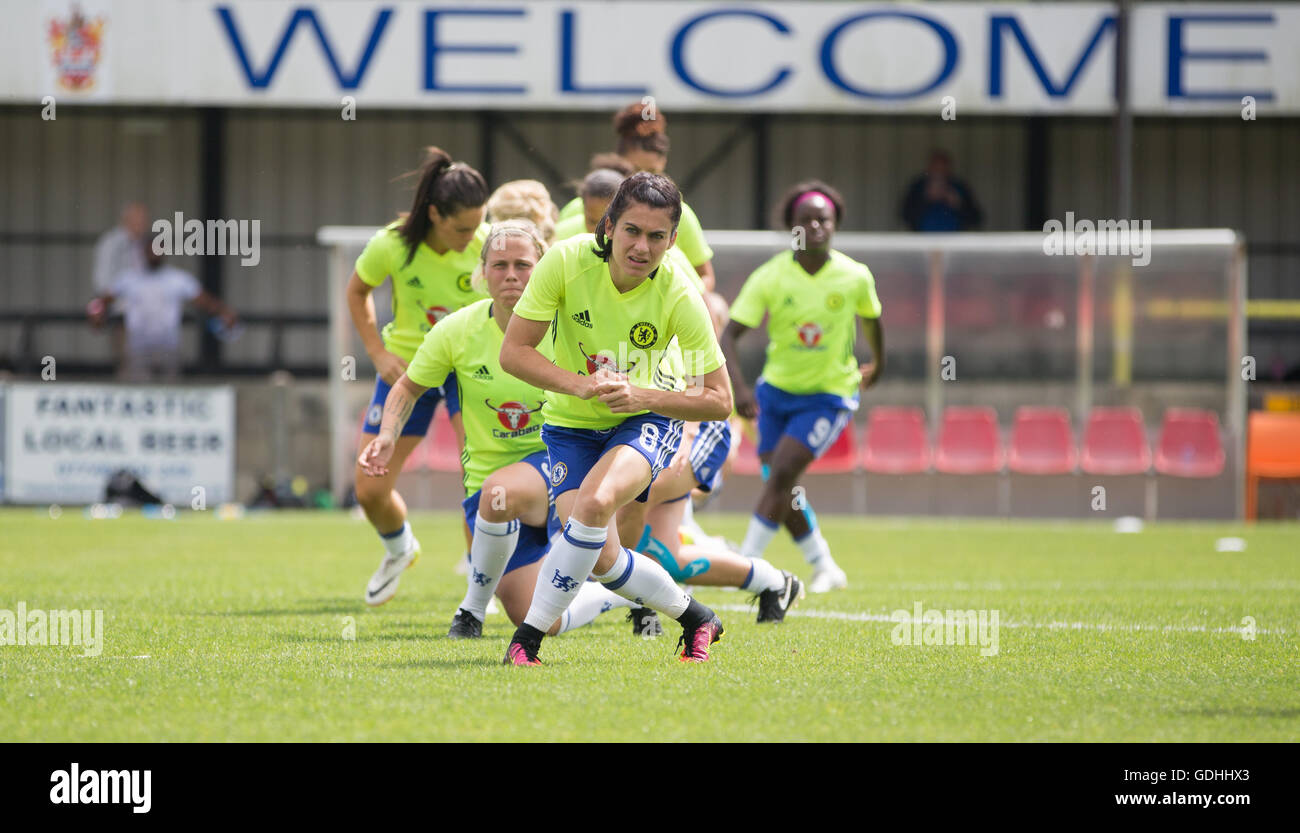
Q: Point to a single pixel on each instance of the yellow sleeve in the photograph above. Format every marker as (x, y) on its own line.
(751, 304)
(545, 290)
(376, 261)
(690, 238)
(435, 359)
(868, 303)
(694, 330)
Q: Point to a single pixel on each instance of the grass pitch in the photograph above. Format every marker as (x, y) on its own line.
(235, 630)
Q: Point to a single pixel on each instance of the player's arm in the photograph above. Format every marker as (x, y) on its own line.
(709, 398)
(521, 359)
(868, 308)
(876, 338)
(397, 410)
(746, 406)
(362, 308)
(706, 273)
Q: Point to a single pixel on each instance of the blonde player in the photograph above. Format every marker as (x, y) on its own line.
(507, 481)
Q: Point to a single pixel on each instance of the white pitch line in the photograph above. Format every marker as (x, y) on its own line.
(1062, 626)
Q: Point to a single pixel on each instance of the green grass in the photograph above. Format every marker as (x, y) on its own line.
(233, 631)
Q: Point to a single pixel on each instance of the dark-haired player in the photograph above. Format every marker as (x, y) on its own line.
(642, 141)
(507, 483)
(610, 426)
(808, 390)
(430, 254)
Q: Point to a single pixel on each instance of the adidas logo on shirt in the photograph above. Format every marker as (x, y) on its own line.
(415, 282)
(483, 373)
(583, 318)
(789, 302)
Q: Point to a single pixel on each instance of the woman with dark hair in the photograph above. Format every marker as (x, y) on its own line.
(612, 421)
(507, 482)
(430, 254)
(808, 390)
(642, 133)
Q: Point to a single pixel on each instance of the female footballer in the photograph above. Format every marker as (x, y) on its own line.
(808, 389)
(643, 142)
(609, 429)
(507, 482)
(429, 254)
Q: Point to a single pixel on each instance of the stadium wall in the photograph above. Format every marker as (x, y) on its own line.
(296, 170)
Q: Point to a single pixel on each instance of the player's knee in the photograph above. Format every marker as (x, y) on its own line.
(372, 492)
(596, 508)
(496, 504)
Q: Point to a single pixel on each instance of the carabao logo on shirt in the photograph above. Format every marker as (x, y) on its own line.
(602, 359)
(434, 314)
(514, 417)
(810, 334)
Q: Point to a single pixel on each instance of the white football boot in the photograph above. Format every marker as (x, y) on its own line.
(826, 579)
(383, 584)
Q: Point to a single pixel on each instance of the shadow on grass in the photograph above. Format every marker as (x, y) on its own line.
(311, 607)
(426, 664)
(375, 637)
(1246, 711)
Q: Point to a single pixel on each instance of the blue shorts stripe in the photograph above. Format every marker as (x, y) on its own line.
(706, 442)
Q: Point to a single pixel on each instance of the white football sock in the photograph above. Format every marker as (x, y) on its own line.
(760, 534)
(592, 600)
(816, 551)
(493, 543)
(571, 558)
(763, 576)
(646, 583)
(399, 542)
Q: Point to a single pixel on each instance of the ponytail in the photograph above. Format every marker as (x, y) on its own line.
(446, 185)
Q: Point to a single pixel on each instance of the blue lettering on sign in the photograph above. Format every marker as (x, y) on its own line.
(679, 49)
(950, 51)
(568, 84)
(998, 24)
(302, 15)
(432, 47)
(1178, 52)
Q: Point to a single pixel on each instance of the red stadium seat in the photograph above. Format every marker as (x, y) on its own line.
(969, 442)
(746, 462)
(1115, 442)
(895, 441)
(1042, 442)
(442, 448)
(1189, 444)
